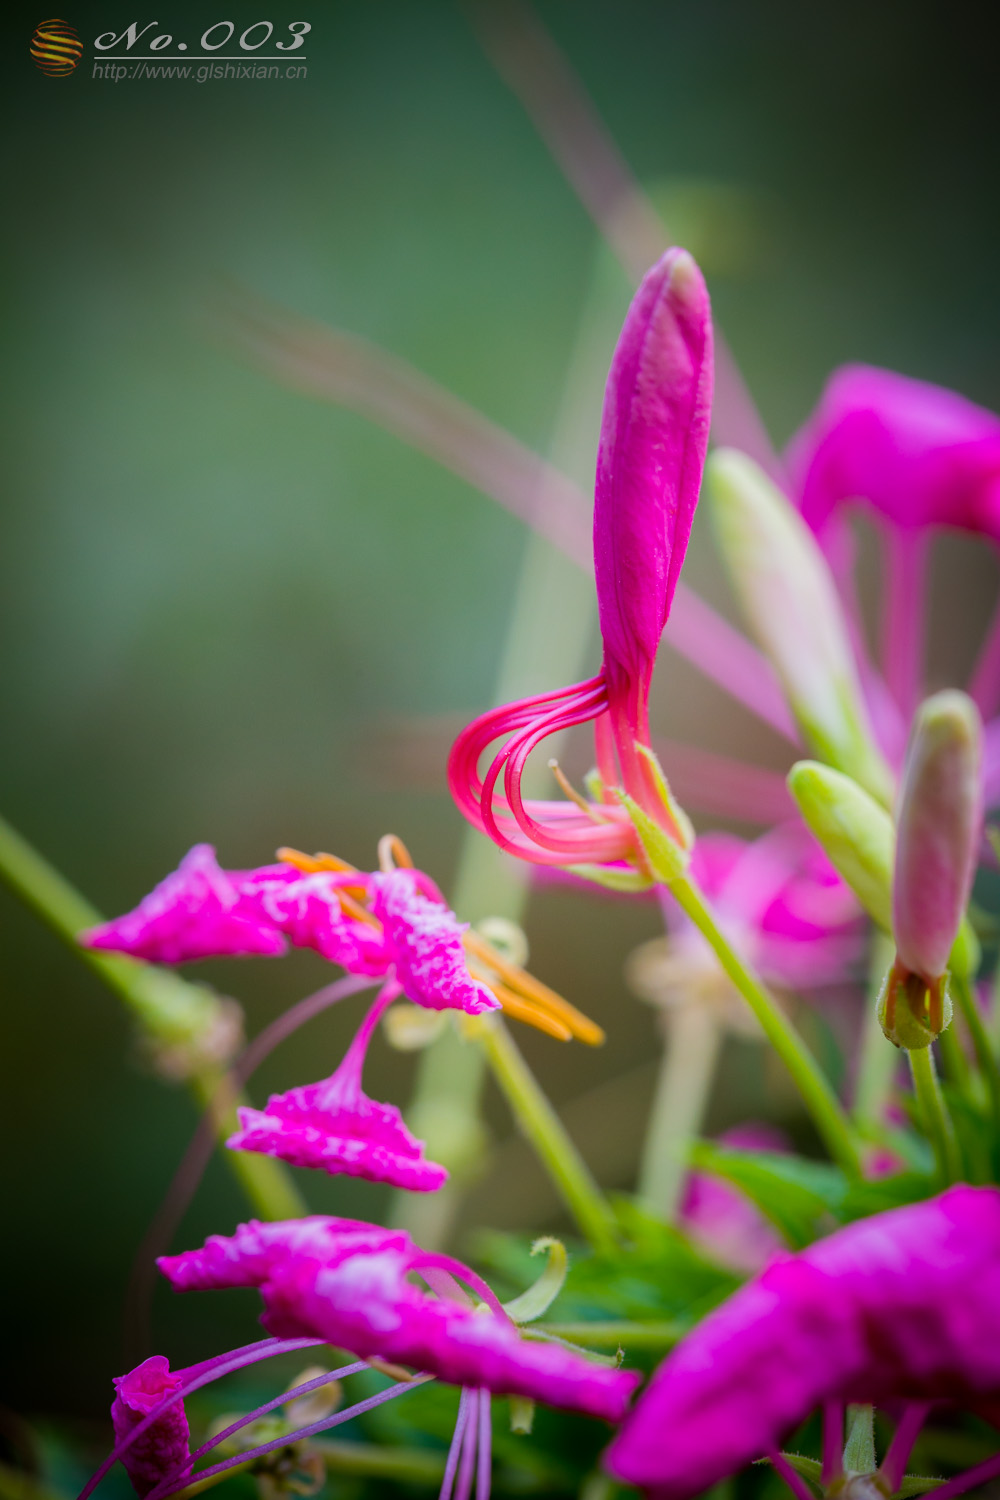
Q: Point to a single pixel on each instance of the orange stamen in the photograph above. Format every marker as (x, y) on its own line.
(523, 1010)
(311, 864)
(529, 990)
(392, 852)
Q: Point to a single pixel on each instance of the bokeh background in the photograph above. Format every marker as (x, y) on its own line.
(234, 614)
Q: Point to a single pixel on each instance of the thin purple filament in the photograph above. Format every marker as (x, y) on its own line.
(281, 1400)
(172, 1486)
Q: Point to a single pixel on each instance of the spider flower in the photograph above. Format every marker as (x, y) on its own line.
(393, 923)
(334, 1127)
(654, 434)
(162, 1451)
(901, 1307)
(347, 1282)
(917, 454)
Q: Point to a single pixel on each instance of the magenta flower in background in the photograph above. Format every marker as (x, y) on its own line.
(917, 454)
(653, 440)
(347, 1283)
(781, 903)
(162, 1451)
(334, 1127)
(724, 1222)
(919, 457)
(901, 1307)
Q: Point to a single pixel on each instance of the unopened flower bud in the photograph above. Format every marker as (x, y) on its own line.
(788, 594)
(937, 833)
(854, 830)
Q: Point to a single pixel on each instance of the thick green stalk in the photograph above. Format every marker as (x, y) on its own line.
(686, 1072)
(828, 1115)
(172, 1014)
(937, 1120)
(543, 1128)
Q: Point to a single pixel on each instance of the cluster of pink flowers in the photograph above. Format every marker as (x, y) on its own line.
(897, 1309)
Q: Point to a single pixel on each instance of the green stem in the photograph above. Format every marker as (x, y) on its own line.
(540, 1124)
(171, 1013)
(686, 1072)
(611, 1333)
(879, 1059)
(828, 1115)
(937, 1120)
(985, 1056)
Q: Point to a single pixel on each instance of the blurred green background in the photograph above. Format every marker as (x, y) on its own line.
(237, 615)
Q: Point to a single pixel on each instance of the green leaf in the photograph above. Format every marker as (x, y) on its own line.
(916, 1484)
(801, 1198)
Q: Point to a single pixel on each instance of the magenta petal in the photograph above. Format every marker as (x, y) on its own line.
(306, 909)
(194, 913)
(902, 1306)
(424, 939)
(348, 1283)
(654, 435)
(310, 1127)
(163, 1450)
(333, 1126)
(919, 455)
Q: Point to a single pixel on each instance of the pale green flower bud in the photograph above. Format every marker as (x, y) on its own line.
(854, 829)
(789, 597)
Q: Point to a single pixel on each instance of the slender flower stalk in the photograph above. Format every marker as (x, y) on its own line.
(938, 1125)
(542, 1127)
(817, 1094)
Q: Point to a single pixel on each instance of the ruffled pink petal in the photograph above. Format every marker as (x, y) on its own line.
(901, 1306)
(334, 1127)
(326, 1277)
(306, 910)
(163, 1450)
(918, 454)
(424, 940)
(195, 913)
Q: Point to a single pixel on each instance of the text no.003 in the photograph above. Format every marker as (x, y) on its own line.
(220, 34)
